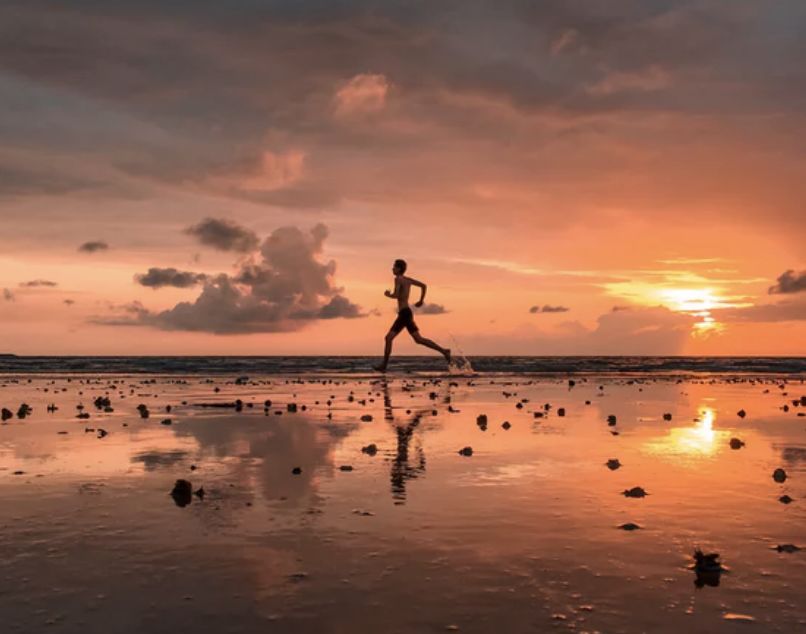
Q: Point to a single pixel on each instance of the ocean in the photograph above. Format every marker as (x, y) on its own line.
(431, 365)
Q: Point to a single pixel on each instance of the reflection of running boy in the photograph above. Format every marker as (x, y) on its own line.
(405, 317)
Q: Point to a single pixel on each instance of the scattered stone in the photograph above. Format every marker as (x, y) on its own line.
(613, 464)
(779, 475)
(200, 493)
(741, 413)
(182, 492)
(506, 425)
(346, 467)
(629, 526)
(466, 451)
(24, 410)
(635, 492)
(291, 408)
(366, 418)
(785, 499)
(736, 443)
(296, 470)
(667, 416)
(363, 513)
(166, 421)
(786, 548)
(83, 415)
(560, 411)
(708, 569)
(102, 433)
(611, 420)
(370, 449)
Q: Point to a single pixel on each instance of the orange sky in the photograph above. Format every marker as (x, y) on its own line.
(578, 156)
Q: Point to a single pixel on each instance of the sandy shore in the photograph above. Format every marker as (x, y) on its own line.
(359, 512)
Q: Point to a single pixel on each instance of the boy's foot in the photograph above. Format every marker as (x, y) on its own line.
(379, 368)
(448, 356)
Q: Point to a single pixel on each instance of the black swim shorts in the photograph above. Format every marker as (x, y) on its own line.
(405, 319)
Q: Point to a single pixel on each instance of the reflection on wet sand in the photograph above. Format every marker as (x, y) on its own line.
(301, 528)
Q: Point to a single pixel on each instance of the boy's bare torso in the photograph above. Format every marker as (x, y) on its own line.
(402, 291)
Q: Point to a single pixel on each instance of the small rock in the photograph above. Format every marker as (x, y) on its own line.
(560, 411)
(667, 416)
(786, 548)
(629, 526)
(785, 499)
(366, 418)
(741, 413)
(611, 420)
(370, 449)
(346, 467)
(736, 443)
(182, 492)
(506, 425)
(466, 451)
(635, 492)
(613, 464)
(779, 475)
(296, 470)
(166, 421)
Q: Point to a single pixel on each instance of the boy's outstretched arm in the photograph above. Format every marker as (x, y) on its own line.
(422, 288)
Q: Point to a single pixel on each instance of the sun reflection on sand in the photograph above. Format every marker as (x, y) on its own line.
(699, 440)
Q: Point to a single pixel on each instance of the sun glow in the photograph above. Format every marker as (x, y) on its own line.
(698, 302)
(686, 442)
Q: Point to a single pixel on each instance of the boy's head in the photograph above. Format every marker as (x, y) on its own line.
(399, 267)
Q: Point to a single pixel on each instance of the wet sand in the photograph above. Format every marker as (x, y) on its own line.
(521, 536)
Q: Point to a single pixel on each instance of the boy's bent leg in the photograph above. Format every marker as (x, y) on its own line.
(428, 343)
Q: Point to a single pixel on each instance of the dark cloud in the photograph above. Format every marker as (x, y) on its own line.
(791, 310)
(158, 278)
(93, 246)
(339, 306)
(206, 92)
(280, 290)
(546, 308)
(38, 283)
(8, 295)
(224, 235)
(789, 282)
(431, 309)
(69, 302)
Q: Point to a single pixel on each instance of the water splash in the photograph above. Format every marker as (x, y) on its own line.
(459, 365)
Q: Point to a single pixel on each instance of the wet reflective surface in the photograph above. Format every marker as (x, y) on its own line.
(522, 535)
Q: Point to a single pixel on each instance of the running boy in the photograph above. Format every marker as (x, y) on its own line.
(405, 317)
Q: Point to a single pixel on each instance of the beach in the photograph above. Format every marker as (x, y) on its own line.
(405, 503)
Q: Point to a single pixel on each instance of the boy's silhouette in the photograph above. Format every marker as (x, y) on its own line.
(405, 316)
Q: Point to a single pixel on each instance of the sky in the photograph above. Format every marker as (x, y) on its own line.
(567, 176)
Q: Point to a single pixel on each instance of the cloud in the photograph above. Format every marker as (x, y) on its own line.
(69, 302)
(224, 235)
(362, 94)
(8, 295)
(628, 331)
(789, 282)
(93, 246)
(158, 278)
(431, 309)
(282, 289)
(38, 283)
(339, 306)
(546, 308)
(790, 310)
